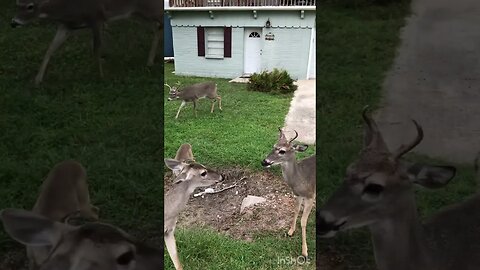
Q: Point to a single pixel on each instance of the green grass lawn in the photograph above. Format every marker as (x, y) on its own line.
(240, 135)
(112, 126)
(356, 49)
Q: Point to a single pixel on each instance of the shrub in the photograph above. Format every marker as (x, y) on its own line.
(276, 81)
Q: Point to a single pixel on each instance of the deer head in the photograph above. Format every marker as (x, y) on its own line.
(378, 184)
(197, 174)
(88, 247)
(283, 151)
(173, 91)
(27, 10)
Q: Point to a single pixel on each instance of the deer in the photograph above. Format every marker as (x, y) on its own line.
(300, 177)
(193, 93)
(378, 193)
(63, 195)
(191, 175)
(87, 14)
(92, 245)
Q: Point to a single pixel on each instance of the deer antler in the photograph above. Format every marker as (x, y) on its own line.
(281, 136)
(405, 148)
(296, 135)
(168, 86)
(372, 133)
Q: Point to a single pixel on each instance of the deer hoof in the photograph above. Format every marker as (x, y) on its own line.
(290, 232)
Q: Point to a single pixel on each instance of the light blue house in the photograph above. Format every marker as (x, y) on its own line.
(232, 38)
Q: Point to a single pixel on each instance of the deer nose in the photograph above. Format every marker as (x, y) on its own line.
(327, 225)
(266, 163)
(14, 23)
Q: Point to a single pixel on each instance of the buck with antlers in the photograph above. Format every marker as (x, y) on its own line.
(93, 14)
(87, 247)
(193, 93)
(189, 176)
(377, 192)
(300, 176)
(63, 195)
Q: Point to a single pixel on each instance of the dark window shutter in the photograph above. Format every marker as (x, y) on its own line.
(201, 41)
(227, 42)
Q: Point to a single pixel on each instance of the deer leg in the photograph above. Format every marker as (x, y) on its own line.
(195, 108)
(58, 40)
(308, 204)
(97, 45)
(293, 226)
(213, 106)
(219, 102)
(179, 109)
(153, 49)
(172, 249)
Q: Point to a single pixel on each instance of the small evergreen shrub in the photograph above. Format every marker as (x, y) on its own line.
(276, 81)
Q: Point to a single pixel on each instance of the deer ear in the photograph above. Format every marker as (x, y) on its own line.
(430, 176)
(31, 229)
(174, 164)
(300, 147)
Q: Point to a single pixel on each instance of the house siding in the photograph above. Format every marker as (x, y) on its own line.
(289, 50)
(187, 61)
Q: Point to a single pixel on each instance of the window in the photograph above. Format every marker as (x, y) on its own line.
(254, 35)
(214, 42)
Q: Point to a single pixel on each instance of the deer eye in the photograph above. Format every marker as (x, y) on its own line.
(125, 258)
(281, 152)
(373, 189)
(204, 173)
(30, 6)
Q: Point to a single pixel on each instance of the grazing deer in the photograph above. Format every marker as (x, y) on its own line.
(93, 14)
(300, 176)
(193, 93)
(378, 192)
(87, 247)
(63, 195)
(191, 176)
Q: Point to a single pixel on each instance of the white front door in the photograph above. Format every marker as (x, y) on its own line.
(311, 72)
(252, 50)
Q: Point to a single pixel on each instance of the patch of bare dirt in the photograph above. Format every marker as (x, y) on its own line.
(221, 211)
